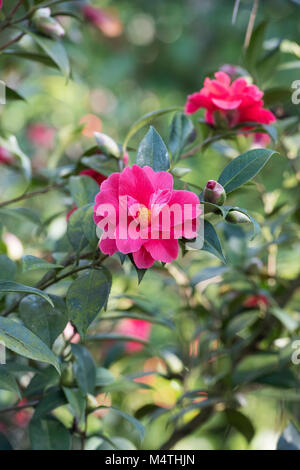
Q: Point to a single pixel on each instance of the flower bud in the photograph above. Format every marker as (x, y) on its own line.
(47, 25)
(236, 217)
(91, 402)
(214, 193)
(180, 172)
(5, 156)
(67, 376)
(107, 144)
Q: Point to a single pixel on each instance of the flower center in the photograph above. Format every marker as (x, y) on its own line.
(144, 216)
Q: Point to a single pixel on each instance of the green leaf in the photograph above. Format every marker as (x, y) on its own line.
(89, 226)
(43, 320)
(77, 401)
(85, 369)
(8, 382)
(104, 377)
(289, 439)
(83, 189)
(22, 341)
(49, 434)
(21, 213)
(75, 230)
(31, 263)
(32, 56)
(4, 443)
(54, 49)
(255, 48)
(41, 381)
(135, 423)
(10, 286)
(181, 130)
(11, 144)
(115, 337)
(153, 152)
(268, 64)
(146, 119)
(285, 318)
(49, 402)
(13, 95)
(211, 242)
(208, 273)
(8, 268)
(243, 168)
(254, 367)
(241, 423)
(86, 296)
(240, 323)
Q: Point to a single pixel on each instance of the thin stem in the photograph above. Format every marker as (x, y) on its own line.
(20, 407)
(251, 23)
(235, 11)
(12, 41)
(188, 428)
(30, 195)
(7, 21)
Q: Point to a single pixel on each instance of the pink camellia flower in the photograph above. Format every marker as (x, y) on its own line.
(5, 156)
(142, 214)
(137, 328)
(1, 3)
(233, 103)
(41, 135)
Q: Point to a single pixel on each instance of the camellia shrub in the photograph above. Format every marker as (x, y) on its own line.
(143, 301)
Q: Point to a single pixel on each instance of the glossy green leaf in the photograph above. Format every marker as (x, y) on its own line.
(146, 119)
(15, 287)
(83, 189)
(86, 297)
(243, 168)
(241, 423)
(153, 152)
(43, 320)
(31, 263)
(85, 368)
(22, 341)
(181, 130)
(8, 382)
(54, 49)
(8, 268)
(48, 434)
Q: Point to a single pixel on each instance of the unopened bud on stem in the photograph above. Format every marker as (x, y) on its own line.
(236, 217)
(214, 193)
(47, 25)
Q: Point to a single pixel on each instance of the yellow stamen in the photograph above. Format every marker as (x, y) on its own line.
(144, 216)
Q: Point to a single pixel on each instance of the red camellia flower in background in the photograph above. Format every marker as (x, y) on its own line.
(41, 135)
(107, 21)
(98, 177)
(233, 103)
(130, 207)
(255, 301)
(5, 156)
(139, 329)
